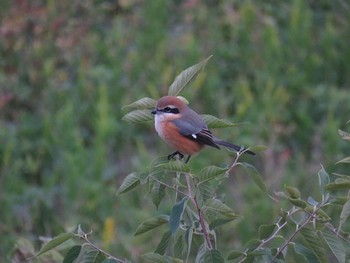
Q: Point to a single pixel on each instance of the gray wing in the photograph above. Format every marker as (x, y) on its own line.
(196, 130)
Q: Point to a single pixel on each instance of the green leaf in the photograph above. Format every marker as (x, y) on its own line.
(206, 190)
(305, 252)
(157, 193)
(314, 244)
(323, 179)
(234, 254)
(179, 246)
(109, 260)
(298, 202)
(266, 230)
(292, 191)
(345, 160)
(254, 174)
(144, 103)
(188, 239)
(88, 255)
(174, 166)
(176, 214)
(217, 206)
(345, 212)
(163, 244)
(137, 116)
(213, 256)
(221, 221)
(159, 161)
(214, 122)
(185, 77)
(252, 244)
(151, 224)
(130, 182)
(293, 256)
(335, 244)
(56, 241)
(72, 254)
(344, 135)
(338, 186)
(156, 258)
(210, 172)
(258, 148)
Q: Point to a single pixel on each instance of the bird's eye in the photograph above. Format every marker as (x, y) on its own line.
(167, 109)
(170, 110)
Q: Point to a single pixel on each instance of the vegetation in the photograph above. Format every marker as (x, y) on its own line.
(69, 67)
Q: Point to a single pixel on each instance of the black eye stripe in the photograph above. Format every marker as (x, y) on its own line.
(170, 110)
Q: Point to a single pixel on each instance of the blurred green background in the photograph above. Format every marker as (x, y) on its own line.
(68, 67)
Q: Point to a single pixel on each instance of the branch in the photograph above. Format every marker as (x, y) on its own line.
(85, 237)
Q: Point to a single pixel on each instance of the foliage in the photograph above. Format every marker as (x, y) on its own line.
(67, 67)
(198, 213)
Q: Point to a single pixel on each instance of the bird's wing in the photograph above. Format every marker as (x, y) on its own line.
(196, 130)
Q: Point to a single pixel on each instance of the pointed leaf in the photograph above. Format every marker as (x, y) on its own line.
(254, 174)
(323, 179)
(210, 172)
(144, 103)
(72, 254)
(174, 166)
(206, 190)
(159, 161)
(335, 244)
(265, 231)
(221, 221)
(344, 135)
(292, 191)
(137, 116)
(200, 253)
(56, 241)
(176, 214)
(214, 122)
(345, 160)
(157, 193)
(234, 254)
(338, 186)
(213, 256)
(344, 214)
(305, 252)
(179, 246)
(156, 258)
(185, 77)
(258, 148)
(130, 182)
(217, 206)
(163, 244)
(151, 224)
(314, 244)
(298, 202)
(90, 255)
(188, 239)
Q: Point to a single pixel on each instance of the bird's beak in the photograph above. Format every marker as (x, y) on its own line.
(154, 111)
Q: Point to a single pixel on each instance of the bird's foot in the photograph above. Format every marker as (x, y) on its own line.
(173, 155)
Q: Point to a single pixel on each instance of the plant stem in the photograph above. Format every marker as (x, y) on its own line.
(200, 213)
(99, 249)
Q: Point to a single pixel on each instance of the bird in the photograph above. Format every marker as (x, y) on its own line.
(184, 129)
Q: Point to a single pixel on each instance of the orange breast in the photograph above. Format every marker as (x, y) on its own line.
(180, 143)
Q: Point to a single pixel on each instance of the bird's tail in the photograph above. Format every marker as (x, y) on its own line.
(233, 146)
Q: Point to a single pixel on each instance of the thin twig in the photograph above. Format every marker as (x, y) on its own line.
(199, 212)
(307, 221)
(99, 249)
(169, 186)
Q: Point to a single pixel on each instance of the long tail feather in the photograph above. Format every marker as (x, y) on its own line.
(233, 146)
